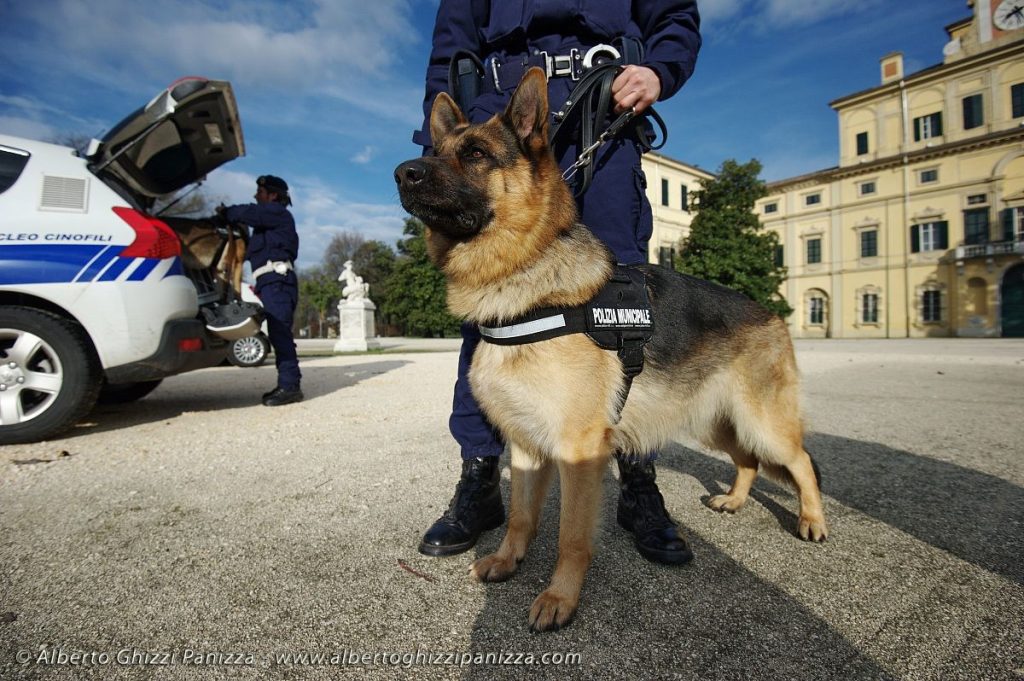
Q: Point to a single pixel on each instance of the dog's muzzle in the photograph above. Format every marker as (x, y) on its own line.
(410, 174)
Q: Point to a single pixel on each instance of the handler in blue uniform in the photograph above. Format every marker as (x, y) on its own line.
(273, 247)
(509, 36)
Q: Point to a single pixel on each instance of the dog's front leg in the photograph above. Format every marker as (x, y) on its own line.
(581, 500)
(531, 477)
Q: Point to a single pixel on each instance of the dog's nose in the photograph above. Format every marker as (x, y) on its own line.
(410, 173)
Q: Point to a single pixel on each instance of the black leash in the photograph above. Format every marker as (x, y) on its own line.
(591, 99)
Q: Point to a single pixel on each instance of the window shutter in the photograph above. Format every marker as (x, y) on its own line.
(942, 235)
(1006, 217)
(917, 129)
(937, 125)
(915, 238)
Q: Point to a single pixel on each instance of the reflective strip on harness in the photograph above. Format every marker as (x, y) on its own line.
(525, 328)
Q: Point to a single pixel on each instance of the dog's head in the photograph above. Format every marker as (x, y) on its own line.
(499, 173)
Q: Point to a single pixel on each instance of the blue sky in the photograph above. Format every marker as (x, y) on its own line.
(329, 91)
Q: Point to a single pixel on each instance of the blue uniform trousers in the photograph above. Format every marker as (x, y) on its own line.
(616, 209)
(279, 300)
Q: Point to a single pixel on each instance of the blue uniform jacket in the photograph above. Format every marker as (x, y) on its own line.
(669, 30)
(273, 235)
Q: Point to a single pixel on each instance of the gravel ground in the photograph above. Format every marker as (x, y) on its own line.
(174, 537)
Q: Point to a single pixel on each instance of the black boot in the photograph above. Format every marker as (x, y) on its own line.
(475, 508)
(642, 512)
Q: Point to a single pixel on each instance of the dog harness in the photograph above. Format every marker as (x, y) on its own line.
(617, 318)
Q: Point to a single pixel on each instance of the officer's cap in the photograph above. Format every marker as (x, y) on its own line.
(272, 183)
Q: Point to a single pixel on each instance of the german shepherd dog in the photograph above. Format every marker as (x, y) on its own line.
(205, 245)
(502, 225)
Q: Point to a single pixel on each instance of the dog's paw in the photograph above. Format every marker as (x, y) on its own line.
(726, 502)
(493, 568)
(551, 612)
(812, 528)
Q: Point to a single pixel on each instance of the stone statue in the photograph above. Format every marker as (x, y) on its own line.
(354, 288)
(357, 331)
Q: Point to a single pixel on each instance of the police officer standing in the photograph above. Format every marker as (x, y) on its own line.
(273, 248)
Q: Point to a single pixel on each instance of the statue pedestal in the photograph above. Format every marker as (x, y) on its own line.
(357, 331)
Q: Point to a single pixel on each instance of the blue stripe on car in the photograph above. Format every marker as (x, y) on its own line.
(64, 263)
(44, 263)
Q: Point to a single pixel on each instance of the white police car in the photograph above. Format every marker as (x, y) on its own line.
(94, 296)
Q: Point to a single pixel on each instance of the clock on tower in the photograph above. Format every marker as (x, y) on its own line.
(1009, 15)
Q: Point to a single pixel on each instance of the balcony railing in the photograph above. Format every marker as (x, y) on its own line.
(966, 251)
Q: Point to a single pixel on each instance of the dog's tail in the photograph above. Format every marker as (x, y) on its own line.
(782, 474)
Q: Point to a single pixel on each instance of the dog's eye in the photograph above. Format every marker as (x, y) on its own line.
(476, 153)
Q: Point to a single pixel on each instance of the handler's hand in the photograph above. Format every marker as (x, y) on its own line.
(637, 87)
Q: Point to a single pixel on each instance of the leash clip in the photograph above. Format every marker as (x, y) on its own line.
(587, 155)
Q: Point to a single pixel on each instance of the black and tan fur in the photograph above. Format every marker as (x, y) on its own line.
(502, 226)
(204, 248)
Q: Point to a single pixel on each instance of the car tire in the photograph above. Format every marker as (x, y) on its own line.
(123, 393)
(50, 375)
(250, 351)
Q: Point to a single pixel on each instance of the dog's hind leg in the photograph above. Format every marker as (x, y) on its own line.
(531, 477)
(799, 471)
(580, 475)
(746, 470)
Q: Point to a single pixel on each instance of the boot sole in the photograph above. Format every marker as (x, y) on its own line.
(441, 550)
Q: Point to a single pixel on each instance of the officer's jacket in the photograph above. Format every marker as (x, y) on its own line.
(273, 234)
(668, 29)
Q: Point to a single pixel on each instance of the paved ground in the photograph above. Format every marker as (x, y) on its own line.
(197, 522)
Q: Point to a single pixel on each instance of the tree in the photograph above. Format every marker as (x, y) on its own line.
(416, 291)
(727, 243)
(319, 292)
(343, 246)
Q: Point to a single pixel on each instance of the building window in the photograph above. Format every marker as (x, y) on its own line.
(684, 194)
(667, 257)
(664, 192)
(976, 226)
(928, 176)
(931, 306)
(974, 115)
(779, 255)
(812, 199)
(929, 236)
(867, 188)
(1017, 99)
(1013, 224)
(862, 143)
(977, 199)
(869, 308)
(771, 208)
(869, 243)
(816, 311)
(813, 251)
(927, 127)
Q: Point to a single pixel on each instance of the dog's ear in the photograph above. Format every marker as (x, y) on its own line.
(527, 113)
(444, 116)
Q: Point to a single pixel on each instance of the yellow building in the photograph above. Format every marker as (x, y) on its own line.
(670, 188)
(919, 231)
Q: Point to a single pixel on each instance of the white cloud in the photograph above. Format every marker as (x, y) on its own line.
(364, 156)
(26, 127)
(771, 14)
(294, 49)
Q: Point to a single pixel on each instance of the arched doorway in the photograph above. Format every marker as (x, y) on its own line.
(1011, 295)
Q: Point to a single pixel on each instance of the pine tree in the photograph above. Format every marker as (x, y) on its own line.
(416, 292)
(727, 243)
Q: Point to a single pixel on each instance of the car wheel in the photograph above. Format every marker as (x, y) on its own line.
(122, 393)
(250, 351)
(49, 374)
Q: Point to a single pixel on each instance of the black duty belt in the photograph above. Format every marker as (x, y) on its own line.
(617, 318)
